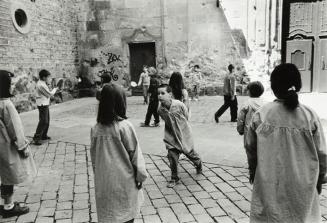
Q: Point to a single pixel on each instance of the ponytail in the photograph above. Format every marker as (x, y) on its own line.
(291, 99)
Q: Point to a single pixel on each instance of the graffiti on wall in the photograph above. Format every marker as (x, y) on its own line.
(111, 65)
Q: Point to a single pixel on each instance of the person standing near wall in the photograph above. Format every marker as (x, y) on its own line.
(230, 100)
(145, 82)
(16, 161)
(105, 79)
(43, 95)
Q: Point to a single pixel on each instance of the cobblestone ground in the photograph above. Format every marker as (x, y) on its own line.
(63, 190)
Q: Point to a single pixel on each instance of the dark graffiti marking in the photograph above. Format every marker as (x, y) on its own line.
(110, 72)
(111, 57)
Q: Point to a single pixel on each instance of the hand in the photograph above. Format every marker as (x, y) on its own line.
(24, 153)
(138, 185)
(251, 178)
(233, 98)
(319, 188)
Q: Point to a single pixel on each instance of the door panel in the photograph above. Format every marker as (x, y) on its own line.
(299, 52)
(323, 66)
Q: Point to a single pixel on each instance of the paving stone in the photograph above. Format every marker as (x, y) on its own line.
(81, 215)
(208, 203)
(159, 203)
(64, 205)
(148, 210)
(94, 218)
(152, 219)
(29, 217)
(185, 217)
(155, 194)
(224, 220)
(173, 199)
(46, 212)
(224, 187)
(167, 215)
(216, 211)
(81, 204)
(44, 220)
(189, 200)
(183, 193)
(201, 194)
(196, 209)
(49, 203)
(194, 188)
(64, 214)
(49, 196)
(234, 196)
(204, 218)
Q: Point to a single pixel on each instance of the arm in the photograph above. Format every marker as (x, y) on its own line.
(44, 90)
(140, 80)
(130, 142)
(185, 99)
(241, 120)
(14, 127)
(251, 146)
(232, 87)
(93, 149)
(320, 143)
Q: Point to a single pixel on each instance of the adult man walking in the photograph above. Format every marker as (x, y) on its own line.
(230, 100)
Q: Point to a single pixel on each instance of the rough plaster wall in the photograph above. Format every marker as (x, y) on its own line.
(51, 44)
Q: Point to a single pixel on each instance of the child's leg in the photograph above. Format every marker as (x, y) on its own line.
(173, 156)
(7, 192)
(47, 123)
(195, 158)
(42, 125)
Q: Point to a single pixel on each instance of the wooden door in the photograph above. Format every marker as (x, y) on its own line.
(299, 52)
(141, 54)
(322, 67)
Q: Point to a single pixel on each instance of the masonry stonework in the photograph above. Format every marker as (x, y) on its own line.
(51, 44)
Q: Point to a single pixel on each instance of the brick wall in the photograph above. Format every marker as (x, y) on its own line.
(50, 44)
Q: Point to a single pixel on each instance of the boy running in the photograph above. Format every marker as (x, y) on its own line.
(178, 134)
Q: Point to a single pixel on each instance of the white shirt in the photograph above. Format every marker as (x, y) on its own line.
(43, 93)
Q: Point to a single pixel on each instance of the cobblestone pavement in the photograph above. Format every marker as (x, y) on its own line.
(63, 190)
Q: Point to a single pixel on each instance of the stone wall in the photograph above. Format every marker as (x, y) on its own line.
(185, 33)
(49, 41)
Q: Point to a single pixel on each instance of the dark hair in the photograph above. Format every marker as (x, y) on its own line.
(166, 86)
(5, 84)
(177, 85)
(285, 82)
(112, 106)
(196, 66)
(43, 74)
(255, 89)
(230, 67)
(105, 78)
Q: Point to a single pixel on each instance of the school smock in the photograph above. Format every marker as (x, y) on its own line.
(288, 157)
(245, 115)
(13, 168)
(117, 161)
(178, 132)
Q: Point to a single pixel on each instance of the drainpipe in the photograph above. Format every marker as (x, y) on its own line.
(162, 20)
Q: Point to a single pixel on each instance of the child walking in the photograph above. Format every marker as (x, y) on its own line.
(178, 134)
(16, 163)
(287, 155)
(255, 90)
(118, 163)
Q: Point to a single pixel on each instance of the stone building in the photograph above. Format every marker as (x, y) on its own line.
(113, 36)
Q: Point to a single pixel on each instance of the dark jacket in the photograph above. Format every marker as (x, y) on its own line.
(153, 88)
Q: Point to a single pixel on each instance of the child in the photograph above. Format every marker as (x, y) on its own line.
(105, 79)
(196, 80)
(255, 90)
(145, 82)
(119, 166)
(177, 86)
(287, 154)
(230, 99)
(154, 103)
(178, 134)
(16, 163)
(43, 95)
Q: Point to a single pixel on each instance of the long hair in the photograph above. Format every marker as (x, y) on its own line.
(112, 106)
(5, 84)
(285, 83)
(177, 85)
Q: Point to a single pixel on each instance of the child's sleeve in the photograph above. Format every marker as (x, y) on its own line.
(14, 127)
(93, 149)
(130, 142)
(44, 90)
(320, 143)
(241, 120)
(251, 144)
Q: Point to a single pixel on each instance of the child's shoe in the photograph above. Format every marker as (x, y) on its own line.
(142, 124)
(199, 169)
(173, 183)
(156, 124)
(15, 211)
